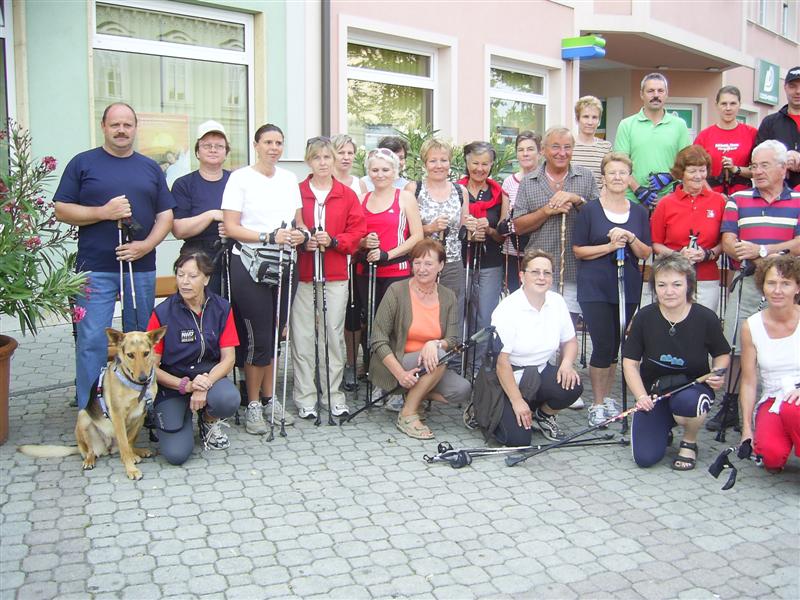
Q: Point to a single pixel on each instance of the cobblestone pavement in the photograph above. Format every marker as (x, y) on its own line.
(354, 512)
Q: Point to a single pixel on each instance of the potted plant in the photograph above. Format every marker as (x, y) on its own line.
(37, 266)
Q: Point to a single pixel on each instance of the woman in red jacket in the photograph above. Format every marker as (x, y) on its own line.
(332, 212)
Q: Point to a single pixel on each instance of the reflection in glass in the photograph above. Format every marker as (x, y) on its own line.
(508, 118)
(391, 61)
(517, 82)
(375, 110)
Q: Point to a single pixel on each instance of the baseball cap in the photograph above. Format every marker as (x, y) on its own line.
(210, 126)
(792, 74)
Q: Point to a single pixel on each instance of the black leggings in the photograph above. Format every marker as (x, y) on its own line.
(509, 433)
(254, 312)
(602, 319)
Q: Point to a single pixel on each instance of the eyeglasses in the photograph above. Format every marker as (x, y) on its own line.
(559, 148)
(317, 139)
(539, 273)
(219, 147)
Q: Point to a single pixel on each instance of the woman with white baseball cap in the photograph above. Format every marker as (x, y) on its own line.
(198, 195)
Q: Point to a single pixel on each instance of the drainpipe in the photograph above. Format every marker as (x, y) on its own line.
(325, 56)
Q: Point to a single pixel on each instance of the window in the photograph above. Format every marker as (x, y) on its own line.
(177, 66)
(6, 75)
(387, 89)
(517, 100)
(789, 19)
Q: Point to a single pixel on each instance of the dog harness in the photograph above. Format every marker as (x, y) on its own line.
(144, 392)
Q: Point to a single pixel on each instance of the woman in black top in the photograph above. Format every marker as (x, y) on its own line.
(668, 346)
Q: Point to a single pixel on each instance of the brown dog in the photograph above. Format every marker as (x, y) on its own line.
(112, 421)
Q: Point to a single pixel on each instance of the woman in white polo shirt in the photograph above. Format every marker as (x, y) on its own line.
(533, 324)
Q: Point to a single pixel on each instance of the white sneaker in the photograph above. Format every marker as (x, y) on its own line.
(337, 410)
(596, 415)
(306, 413)
(578, 404)
(279, 413)
(610, 407)
(254, 419)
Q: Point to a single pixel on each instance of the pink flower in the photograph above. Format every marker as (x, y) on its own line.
(33, 242)
(87, 291)
(78, 313)
(49, 163)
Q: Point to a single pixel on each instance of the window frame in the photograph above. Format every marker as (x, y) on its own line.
(7, 35)
(130, 45)
(429, 82)
(538, 66)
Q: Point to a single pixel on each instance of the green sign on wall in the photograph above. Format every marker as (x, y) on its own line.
(767, 82)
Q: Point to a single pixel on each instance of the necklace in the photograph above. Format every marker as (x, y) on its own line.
(672, 331)
(424, 293)
(557, 183)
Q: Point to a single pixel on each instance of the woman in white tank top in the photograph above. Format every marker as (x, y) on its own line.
(771, 340)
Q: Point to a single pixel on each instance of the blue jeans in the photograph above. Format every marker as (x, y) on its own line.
(484, 298)
(91, 349)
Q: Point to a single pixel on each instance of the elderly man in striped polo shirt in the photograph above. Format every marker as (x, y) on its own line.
(758, 222)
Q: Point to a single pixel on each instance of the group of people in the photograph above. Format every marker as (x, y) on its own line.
(407, 270)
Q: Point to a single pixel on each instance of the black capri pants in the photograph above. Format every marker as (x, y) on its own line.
(173, 418)
(254, 313)
(602, 319)
(509, 433)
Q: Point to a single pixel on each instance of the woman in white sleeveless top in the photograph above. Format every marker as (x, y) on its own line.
(771, 340)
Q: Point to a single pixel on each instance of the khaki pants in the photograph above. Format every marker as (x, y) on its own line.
(305, 391)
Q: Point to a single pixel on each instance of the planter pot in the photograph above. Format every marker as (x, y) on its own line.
(7, 347)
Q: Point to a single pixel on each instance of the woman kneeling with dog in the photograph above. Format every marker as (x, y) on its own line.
(195, 357)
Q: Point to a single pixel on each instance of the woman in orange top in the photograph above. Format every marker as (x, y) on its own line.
(416, 324)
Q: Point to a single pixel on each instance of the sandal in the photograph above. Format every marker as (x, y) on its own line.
(685, 463)
(413, 427)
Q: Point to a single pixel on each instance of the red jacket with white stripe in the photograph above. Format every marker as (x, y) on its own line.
(344, 221)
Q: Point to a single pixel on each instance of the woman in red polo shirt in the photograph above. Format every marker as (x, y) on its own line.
(688, 221)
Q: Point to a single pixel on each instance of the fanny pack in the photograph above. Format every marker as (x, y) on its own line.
(262, 263)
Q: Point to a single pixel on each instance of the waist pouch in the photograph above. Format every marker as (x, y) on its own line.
(667, 383)
(262, 263)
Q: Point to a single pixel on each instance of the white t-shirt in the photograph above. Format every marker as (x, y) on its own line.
(532, 336)
(265, 202)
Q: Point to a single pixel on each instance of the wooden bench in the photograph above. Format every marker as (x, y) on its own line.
(165, 286)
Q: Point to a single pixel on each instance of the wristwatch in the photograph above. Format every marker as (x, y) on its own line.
(262, 237)
(762, 251)
(738, 170)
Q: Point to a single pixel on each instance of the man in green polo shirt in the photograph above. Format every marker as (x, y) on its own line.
(652, 138)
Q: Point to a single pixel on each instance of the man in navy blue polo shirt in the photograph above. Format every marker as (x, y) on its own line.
(99, 188)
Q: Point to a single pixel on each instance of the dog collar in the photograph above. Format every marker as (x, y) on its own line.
(143, 388)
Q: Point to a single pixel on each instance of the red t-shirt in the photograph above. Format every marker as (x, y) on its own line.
(796, 119)
(392, 229)
(736, 143)
(229, 337)
(678, 213)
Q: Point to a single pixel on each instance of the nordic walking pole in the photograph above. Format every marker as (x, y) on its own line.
(288, 340)
(276, 341)
(467, 297)
(121, 279)
(561, 264)
(621, 297)
(514, 459)
(476, 277)
(325, 332)
(126, 228)
(371, 282)
(317, 380)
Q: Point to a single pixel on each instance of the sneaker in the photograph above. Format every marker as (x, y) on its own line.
(337, 410)
(610, 407)
(254, 419)
(306, 413)
(469, 417)
(394, 403)
(349, 383)
(212, 435)
(578, 404)
(732, 418)
(279, 413)
(548, 426)
(597, 415)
